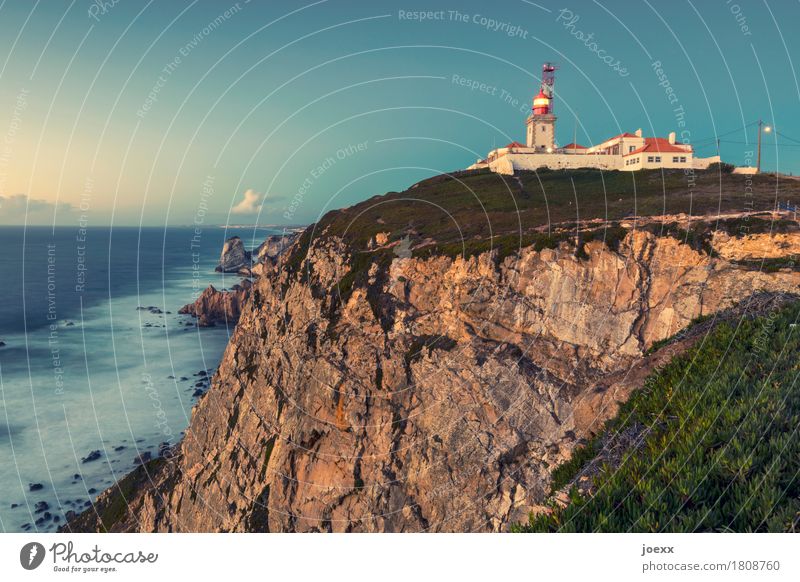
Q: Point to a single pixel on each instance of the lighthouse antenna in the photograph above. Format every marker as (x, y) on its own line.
(549, 80)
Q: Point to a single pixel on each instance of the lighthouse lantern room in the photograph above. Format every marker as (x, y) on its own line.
(541, 122)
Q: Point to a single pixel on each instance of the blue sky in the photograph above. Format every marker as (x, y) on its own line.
(276, 112)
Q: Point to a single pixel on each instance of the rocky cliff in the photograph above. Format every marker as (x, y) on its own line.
(383, 390)
(234, 257)
(214, 307)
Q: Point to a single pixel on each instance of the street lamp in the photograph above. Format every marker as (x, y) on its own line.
(767, 129)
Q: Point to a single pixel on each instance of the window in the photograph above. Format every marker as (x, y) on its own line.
(658, 158)
(631, 148)
(683, 158)
(675, 160)
(543, 128)
(649, 158)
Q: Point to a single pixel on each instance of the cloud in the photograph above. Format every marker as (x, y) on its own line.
(250, 204)
(18, 209)
(255, 203)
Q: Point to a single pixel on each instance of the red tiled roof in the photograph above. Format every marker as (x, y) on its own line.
(659, 145)
(626, 134)
(574, 146)
(516, 144)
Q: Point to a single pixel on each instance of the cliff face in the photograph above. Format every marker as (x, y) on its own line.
(438, 395)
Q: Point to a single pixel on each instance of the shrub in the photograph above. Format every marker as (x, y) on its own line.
(721, 167)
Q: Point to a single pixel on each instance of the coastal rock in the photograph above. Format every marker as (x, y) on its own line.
(437, 395)
(273, 247)
(233, 257)
(93, 456)
(143, 458)
(223, 307)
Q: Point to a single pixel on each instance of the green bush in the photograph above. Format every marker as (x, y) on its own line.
(722, 167)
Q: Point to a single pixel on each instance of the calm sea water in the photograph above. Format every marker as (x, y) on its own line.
(85, 369)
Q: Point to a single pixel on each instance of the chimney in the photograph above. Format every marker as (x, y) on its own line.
(671, 137)
(639, 132)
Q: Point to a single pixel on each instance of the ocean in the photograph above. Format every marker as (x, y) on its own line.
(98, 369)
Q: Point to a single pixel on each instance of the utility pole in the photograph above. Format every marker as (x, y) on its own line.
(575, 132)
(767, 129)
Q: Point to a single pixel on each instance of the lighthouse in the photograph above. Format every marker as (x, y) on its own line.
(625, 152)
(541, 122)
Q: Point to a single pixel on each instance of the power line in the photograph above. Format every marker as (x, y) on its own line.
(783, 135)
(779, 145)
(715, 138)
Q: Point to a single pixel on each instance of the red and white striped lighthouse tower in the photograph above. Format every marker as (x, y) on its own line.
(541, 122)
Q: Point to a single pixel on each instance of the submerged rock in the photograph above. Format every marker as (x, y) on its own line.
(93, 456)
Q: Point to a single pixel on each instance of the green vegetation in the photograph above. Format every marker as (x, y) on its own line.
(770, 265)
(723, 453)
(723, 167)
(503, 246)
(565, 473)
(750, 225)
(471, 211)
(698, 236)
(116, 506)
(658, 344)
(475, 205)
(611, 236)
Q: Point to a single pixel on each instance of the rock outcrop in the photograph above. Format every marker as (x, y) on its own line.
(234, 256)
(214, 307)
(273, 247)
(430, 394)
(756, 247)
(236, 259)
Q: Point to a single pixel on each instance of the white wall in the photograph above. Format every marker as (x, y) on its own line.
(508, 163)
(703, 163)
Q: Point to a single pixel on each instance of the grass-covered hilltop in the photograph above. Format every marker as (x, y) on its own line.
(472, 211)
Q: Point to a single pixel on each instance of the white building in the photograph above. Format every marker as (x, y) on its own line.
(626, 152)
